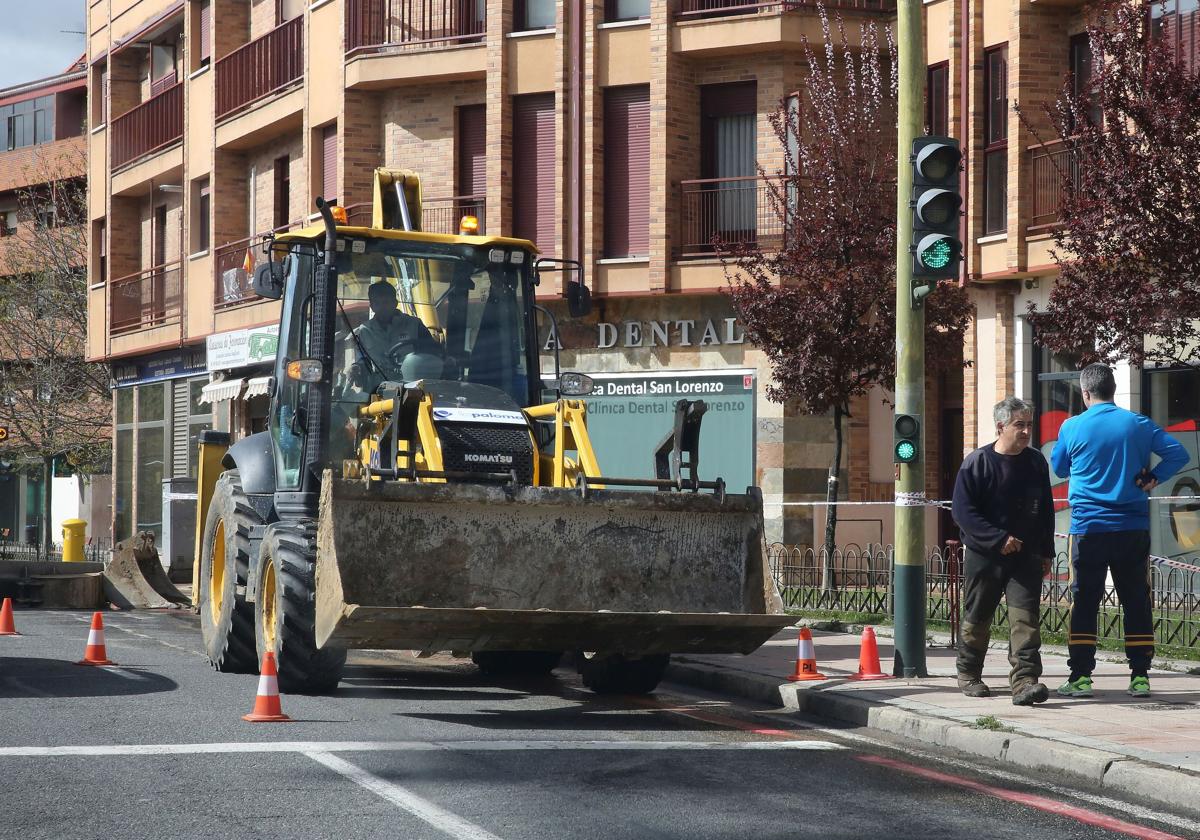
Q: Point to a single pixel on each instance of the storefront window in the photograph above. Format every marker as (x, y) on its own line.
(124, 398)
(1058, 395)
(151, 457)
(123, 483)
(1172, 399)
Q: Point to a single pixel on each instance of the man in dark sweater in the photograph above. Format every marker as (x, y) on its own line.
(1003, 506)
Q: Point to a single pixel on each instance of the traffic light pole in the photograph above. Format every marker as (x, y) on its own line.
(908, 583)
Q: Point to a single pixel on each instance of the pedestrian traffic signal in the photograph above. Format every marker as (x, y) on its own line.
(907, 438)
(935, 204)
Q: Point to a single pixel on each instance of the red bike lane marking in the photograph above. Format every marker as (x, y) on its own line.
(1032, 800)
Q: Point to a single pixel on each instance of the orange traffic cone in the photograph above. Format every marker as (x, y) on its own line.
(806, 659)
(7, 628)
(95, 654)
(266, 704)
(868, 659)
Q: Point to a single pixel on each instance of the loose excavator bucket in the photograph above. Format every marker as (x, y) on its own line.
(473, 568)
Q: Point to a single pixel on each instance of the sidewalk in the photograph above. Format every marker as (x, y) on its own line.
(1148, 749)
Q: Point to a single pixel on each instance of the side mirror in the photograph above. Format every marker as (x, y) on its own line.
(579, 299)
(575, 385)
(268, 279)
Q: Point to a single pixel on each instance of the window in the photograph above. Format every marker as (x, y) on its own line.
(151, 457)
(627, 171)
(8, 222)
(47, 218)
(100, 249)
(471, 173)
(615, 10)
(534, 14)
(533, 169)
(205, 27)
(995, 157)
(1175, 21)
(162, 67)
(123, 465)
(329, 146)
(199, 419)
(283, 190)
(285, 10)
(1082, 88)
(200, 226)
(728, 160)
(937, 99)
(99, 95)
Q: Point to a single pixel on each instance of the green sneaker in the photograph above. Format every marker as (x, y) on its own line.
(1078, 687)
(1139, 687)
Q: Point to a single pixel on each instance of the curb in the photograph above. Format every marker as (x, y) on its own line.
(1144, 781)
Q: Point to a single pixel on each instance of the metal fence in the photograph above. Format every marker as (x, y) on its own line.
(857, 579)
(92, 552)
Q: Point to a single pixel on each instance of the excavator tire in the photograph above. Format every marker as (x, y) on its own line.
(285, 611)
(226, 620)
(516, 663)
(615, 674)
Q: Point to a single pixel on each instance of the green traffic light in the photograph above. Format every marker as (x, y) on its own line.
(937, 255)
(906, 451)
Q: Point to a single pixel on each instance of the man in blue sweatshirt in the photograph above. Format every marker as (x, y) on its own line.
(1105, 452)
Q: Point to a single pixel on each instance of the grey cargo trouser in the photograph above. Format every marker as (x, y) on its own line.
(1018, 579)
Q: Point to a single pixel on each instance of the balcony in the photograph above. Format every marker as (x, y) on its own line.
(1049, 165)
(149, 127)
(149, 298)
(697, 9)
(728, 210)
(260, 68)
(438, 215)
(232, 282)
(374, 26)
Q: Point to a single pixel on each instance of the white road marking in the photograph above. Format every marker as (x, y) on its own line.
(405, 800)
(400, 746)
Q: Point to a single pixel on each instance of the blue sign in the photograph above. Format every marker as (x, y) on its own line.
(170, 364)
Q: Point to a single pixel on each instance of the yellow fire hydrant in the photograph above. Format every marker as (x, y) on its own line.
(73, 535)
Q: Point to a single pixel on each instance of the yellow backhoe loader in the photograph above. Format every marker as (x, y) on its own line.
(424, 485)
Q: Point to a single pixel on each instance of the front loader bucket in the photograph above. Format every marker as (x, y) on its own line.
(134, 577)
(473, 568)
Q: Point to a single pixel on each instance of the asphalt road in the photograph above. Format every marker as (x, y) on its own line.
(155, 747)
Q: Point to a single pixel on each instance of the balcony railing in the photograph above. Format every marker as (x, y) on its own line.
(261, 67)
(438, 215)
(149, 298)
(233, 269)
(382, 25)
(146, 128)
(690, 9)
(1048, 164)
(732, 210)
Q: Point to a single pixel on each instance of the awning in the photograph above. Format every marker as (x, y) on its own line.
(259, 386)
(226, 389)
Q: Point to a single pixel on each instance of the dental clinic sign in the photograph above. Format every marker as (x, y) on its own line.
(688, 332)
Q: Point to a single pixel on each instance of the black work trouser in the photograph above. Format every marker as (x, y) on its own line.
(1126, 554)
(1017, 578)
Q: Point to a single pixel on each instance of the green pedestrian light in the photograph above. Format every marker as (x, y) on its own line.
(906, 438)
(936, 249)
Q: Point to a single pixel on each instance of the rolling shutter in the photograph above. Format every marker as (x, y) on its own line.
(533, 170)
(205, 31)
(329, 162)
(627, 171)
(180, 404)
(472, 151)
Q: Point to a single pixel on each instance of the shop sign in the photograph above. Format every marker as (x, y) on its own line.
(687, 332)
(172, 364)
(242, 348)
(629, 414)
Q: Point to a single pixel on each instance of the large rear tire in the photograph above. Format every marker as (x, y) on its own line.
(226, 620)
(615, 674)
(516, 663)
(285, 611)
